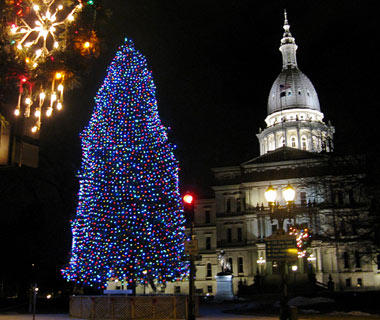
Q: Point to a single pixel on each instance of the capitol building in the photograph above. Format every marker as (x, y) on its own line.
(296, 148)
(331, 202)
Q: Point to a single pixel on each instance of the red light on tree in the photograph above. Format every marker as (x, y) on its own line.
(188, 198)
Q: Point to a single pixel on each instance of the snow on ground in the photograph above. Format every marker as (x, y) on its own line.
(38, 317)
(215, 311)
(303, 301)
(66, 317)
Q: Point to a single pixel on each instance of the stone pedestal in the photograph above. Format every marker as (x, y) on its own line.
(224, 288)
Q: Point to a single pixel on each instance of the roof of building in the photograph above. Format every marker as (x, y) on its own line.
(292, 89)
(283, 154)
(289, 163)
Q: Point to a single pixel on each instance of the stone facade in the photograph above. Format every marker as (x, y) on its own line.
(331, 198)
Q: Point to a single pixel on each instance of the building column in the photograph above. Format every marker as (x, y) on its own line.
(286, 137)
(298, 137)
(275, 139)
(319, 259)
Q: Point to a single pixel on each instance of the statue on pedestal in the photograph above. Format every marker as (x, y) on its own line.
(225, 265)
(224, 288)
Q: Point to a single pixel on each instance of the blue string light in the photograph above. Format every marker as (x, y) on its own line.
(129, 223)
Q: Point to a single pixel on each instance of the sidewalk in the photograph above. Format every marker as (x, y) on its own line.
(38, 317)
(66, 317)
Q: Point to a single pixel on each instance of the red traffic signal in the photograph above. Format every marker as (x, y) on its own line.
(188, 206)
(188, 199)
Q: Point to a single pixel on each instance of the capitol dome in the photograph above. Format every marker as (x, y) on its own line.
(294, 117)
(292, 89)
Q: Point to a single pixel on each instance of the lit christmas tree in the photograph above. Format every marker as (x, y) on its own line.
(129, 223)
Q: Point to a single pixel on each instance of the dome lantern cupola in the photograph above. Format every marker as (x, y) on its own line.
(288, 47)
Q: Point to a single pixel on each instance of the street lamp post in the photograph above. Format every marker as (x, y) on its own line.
(188, 201)
(144, 273)
(35, 291)
(260, 261)
(294, 269)
(281, 214)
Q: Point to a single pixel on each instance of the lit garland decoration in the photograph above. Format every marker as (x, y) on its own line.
(39, 32)
(302, 234)
(25, 99)
(129, 223)
(40, 29)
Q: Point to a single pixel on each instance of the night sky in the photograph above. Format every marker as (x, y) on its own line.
(214, 62)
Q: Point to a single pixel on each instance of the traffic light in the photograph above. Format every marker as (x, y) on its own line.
(188, 206)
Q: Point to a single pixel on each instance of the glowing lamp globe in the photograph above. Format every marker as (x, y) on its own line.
(289, 193)
(270, 194)
(188, 199)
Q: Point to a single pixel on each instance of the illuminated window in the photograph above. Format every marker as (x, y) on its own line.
(304, 143)
(293, 142)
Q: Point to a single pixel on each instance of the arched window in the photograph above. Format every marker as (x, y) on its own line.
(271, 143)
(265, 145)
(209, 270)
(304, 143)
(293, 139)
